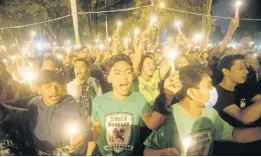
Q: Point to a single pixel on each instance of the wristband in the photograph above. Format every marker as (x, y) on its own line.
(161, 106)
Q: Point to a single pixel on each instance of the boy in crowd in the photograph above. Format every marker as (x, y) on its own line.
(48, 117)
(117, 115)
(51, 63)
(234, 72)
(194, 124)
(83, 88)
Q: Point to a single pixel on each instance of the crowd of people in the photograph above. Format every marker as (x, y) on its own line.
(136, 97)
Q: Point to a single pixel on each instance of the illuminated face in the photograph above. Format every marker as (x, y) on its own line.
(202, 92)
(237, 73)
(51, 92)
(121, 77)
(49, 65)
(80, 70)
(148, 67)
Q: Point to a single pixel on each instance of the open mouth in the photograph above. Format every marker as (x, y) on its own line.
(54, 98)
(124, 86)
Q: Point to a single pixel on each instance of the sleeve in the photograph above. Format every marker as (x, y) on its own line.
(94, 117)
(223, 131)
(20, 103)
(145, 107)
(156, 141)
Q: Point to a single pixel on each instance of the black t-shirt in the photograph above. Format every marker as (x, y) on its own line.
(225, 99)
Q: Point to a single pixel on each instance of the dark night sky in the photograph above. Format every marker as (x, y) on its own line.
(251, 9)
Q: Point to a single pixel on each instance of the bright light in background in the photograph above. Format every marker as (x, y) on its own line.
(126, 41)
(109, 39)
(119, 23)
(153, 20)
(136, 31)
(162, 4)
(33, 34)
(238, 3)
(252, 43)
(197, 37)
(101, 47)
(39, 45)
(30, 76)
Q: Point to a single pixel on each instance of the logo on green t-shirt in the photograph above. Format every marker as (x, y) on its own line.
(118, 132)
(200, 143)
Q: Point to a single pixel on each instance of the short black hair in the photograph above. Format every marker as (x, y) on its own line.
(55, 60)
(190, 77)
(47, 76)
(81, 60)
(115, 59)
(228, 61)
(144, 57)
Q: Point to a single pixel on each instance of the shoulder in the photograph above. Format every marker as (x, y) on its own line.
(137, 96)
(35, 100)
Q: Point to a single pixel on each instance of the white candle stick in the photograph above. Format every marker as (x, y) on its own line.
(185, 146)
(178, 25)
(72, 129)
(238, 4)
(118, 25)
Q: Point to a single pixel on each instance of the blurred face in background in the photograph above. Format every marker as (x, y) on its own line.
(49, 65)
(148, 67)
(80, 70)
(66, 61)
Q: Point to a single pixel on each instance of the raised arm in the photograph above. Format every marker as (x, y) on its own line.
(234, 24)
(172, 86)
(139, 51)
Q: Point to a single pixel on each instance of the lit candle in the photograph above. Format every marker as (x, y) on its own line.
(72, 129)
(172, 55)
(185, 145)
(136, 32)
(118, 25)
(153, 20)
(178, 25)
(238, 4)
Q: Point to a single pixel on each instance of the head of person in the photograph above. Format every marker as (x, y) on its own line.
(83, 52)
(66, 60)
(80, 69)
(233, 69)
(147, 65)
(51, 86)
(181, 62)
(196, 84)
(120, 74)
(51, 63)
(246, 42)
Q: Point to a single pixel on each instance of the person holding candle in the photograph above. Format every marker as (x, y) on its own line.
(118, 115)
(194, 118)
(46, 117)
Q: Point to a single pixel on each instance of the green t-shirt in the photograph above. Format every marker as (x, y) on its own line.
(120, 121)
(149, 89)
(202, 132)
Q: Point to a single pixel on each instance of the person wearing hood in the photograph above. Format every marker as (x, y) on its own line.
(55, 120)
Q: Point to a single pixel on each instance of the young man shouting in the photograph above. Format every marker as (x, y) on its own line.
(50, 116)
(118, 115)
